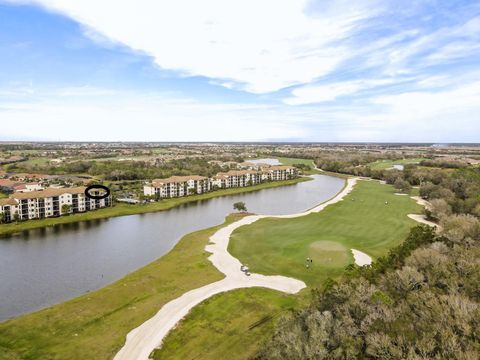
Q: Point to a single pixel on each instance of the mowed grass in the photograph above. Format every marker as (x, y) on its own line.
(122, 209)
(386, 164)
(292, 161)
(361, 221)
(94, 325)
(234, 323)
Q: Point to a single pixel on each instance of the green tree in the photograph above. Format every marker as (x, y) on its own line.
(402, 185)
(66, 209)
(240, 206)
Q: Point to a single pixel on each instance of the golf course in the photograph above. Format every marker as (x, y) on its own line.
(371, 219)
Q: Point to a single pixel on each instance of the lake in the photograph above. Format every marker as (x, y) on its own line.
(46, 266)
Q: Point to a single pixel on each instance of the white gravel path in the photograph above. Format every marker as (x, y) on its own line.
(140, 342)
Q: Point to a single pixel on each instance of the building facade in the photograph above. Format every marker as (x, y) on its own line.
(50, 202)
(177, 186)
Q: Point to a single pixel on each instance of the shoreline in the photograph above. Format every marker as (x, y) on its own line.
(141, 341)
(12, 229)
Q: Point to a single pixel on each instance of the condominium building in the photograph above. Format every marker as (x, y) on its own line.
(177, 186)
(236, 178)
(281, 172)
(49, 203)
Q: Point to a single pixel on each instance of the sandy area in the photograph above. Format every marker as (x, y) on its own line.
(144, 339)
(361, 259)
(422, 218)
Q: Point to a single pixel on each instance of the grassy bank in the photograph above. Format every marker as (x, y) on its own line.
(127, 209)
(234, 323)
(94, 325)
(362, 221)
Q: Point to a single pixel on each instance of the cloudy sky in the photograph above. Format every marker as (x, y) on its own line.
(240, 70)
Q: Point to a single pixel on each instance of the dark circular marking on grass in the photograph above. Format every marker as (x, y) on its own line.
(97, 197)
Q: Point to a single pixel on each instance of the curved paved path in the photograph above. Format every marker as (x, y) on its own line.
(144, 339)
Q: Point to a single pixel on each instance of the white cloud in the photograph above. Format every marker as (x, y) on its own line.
(320, 93)
(108, 115)
(262, 46)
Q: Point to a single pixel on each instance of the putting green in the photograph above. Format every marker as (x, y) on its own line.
(329, 254)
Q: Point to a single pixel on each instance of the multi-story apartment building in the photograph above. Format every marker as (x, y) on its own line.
(281, 172)
(236, 178)
(177, 186)
(49, 203)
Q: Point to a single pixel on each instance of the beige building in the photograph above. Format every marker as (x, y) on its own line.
(49, 203)
(281, 172)
(177, 186)
(236, 178)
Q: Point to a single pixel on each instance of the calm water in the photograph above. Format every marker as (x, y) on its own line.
(42, 267)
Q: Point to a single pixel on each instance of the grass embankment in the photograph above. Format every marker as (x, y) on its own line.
(94, 325)
(234, 323)
(387, 164)
(362, 221)
(128, 209)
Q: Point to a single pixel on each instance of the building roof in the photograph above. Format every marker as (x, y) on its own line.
(281, 167)
(8, 201)
(176, 179)
(8, 183)
(235, 173)
(49, 192)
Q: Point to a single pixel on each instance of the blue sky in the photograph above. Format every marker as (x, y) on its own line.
(248, 70)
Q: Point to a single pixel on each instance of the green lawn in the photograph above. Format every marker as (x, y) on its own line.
(234, 323)
(128, 209)
(292, 161)
(94, 325)
(362, 221)
(386, 164)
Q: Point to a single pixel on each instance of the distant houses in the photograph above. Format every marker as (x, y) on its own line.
(46, 203)
(178, 186)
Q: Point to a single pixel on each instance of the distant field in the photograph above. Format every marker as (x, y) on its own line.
(292, 161)
(234, 323)
(362, 221)
(386, 164)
